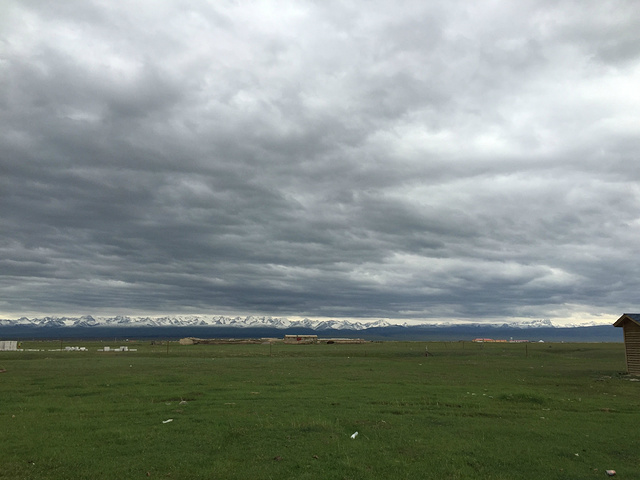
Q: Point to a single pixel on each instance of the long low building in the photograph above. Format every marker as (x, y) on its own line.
(313, 339)
(220, 341)
(491, 340)
(301, 339)
(8, 345)
(342, 340)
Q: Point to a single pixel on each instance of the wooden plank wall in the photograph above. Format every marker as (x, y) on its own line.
(632, 347)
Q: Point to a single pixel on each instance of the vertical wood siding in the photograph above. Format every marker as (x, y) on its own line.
(632, 347)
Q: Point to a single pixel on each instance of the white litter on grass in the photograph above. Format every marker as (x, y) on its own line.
(167, 421)
(183, 402)
(354, 435)
(611, 473)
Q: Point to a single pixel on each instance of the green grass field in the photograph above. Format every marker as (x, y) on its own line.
(498, 411)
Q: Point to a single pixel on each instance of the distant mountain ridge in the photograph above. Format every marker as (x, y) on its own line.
(217, 326)
(88, 321)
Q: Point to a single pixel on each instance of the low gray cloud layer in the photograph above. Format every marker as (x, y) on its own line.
(420, 160)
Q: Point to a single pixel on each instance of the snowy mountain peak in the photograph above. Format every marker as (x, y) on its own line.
(192, 321)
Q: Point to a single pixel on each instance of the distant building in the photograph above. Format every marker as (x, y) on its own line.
(11, 345)
(300, 339)
(630, 323)
(331, 341)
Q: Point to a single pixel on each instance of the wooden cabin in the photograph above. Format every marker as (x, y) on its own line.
(630, 323)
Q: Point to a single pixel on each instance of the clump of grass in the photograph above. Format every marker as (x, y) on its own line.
(523, 398)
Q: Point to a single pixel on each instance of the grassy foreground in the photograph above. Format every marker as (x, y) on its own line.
(498, 411)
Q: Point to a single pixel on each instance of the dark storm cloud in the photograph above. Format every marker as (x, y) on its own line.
(409, 162)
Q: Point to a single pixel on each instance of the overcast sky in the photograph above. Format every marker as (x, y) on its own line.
(442, 160)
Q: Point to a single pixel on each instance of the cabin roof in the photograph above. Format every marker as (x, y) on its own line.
(626, 317)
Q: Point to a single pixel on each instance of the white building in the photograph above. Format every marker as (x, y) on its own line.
(8, 345)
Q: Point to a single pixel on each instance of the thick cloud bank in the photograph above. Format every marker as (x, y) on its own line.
(414, 160)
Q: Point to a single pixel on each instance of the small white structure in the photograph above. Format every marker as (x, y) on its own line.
(118, 349)
(8, 345)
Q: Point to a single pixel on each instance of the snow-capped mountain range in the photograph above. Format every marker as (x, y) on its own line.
(241, 322)
(192, 321)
